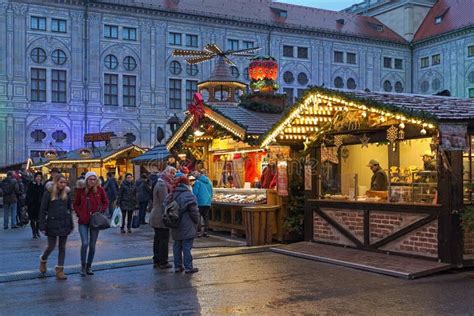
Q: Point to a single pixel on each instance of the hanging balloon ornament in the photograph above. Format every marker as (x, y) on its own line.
(196, 108)
(338, 141)
(423, 131)
(365, 141)
(392, 136)
(401, 132)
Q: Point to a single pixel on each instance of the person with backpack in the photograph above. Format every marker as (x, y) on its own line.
(34, 196)
(188, 214)
(111, 188)
(10, 190)
(144, 195)
(89, 198)
(161, 190)
(203, 191)
(55, 221)
(127, 201)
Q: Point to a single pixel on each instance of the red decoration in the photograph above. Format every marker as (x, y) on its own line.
(263, 69)
(197, 109)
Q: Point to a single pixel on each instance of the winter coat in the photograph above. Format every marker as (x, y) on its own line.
(34, 196)
(188, 212)
(143, 191)
(111, 188)
(160, 191)
(379, 181)
(127, 197)
(55, 216)
(86, 204)
(202, 189)
(10, 190)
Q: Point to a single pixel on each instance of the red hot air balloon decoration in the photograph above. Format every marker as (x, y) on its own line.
(263, 74)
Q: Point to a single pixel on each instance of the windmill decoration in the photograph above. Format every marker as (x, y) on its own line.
(212, 51)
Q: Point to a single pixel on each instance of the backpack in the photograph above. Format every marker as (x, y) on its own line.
(171, 217)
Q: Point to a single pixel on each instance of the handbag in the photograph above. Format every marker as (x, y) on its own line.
(135, 220)
(98, 220)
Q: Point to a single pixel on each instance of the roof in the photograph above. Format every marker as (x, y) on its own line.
(98, 153)
(221, 73)
(455, 14)
(158, 152)
(273, 13)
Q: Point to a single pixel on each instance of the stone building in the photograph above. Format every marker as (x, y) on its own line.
(70, 67)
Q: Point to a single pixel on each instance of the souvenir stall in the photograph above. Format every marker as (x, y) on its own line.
(153, 160)
(383, 172)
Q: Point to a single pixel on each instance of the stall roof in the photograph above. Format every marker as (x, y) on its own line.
(158, 152)
(98, 154)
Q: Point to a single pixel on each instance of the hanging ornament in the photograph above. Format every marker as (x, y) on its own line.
(338, 141)
(306, 144)
(365, 141)
(392, 136)
(196, 108)
(423, 131)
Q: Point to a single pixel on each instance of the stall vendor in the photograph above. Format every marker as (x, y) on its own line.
(429, 161)
(229, 178)
(379, 181)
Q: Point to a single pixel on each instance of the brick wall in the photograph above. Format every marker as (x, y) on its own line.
(423, 241)
(383, 224)
(325, 232)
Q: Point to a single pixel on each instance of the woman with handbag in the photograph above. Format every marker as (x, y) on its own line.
(55, 221)
(127, 201)
(89, 198)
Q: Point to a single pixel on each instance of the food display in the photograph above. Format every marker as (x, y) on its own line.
(240, 196)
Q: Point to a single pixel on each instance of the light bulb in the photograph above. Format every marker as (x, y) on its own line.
(423, 132)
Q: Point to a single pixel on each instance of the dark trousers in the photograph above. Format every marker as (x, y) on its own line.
(61, 246)
(34, 227)
(142, 211)
(160, 246)
(111, 207)
(128, 215)
(204, 211)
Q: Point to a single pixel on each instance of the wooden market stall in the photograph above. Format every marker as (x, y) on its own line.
(415, 144)
(153, 160)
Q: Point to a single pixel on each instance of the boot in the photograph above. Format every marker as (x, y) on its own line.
(89, 269)
(83, 270)
(60, 273)
(43, 265)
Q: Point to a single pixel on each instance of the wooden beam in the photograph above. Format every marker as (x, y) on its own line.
(339, 228)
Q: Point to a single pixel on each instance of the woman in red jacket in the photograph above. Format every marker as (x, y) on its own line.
(89, 198)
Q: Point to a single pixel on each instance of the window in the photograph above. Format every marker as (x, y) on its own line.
(398, 87)
(37, 23)
(232, 44)
(191, 40)
(110, 89)
(58, 86)
(235, 72)
(303, 52)
(175, 94)
(470, 51)
(287, 51)
(436, 59)
(129, 63)
(438, 19)
(111, 62)
(471, 92)
(387, 86)
(302, 78)
(129, 91)
(387, 62)
(351, 84)
(248, 44)
(59, 57)
(288, 77)
(192, 70)
(300, 92)
(174, 39)
(338, 82)
(424, 62)
(351, 58)
(338, 57)
(425, 86)
(38, 55)
(175, 68)
(398, 63)
(129, 33)
(191, 89)
(38, 85)
(130, 138)
(436, 85)
(470, 77)
(289, 94)
(59, 136)
(58, 25)
(110, 31)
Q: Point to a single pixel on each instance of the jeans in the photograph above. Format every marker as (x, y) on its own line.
(9, 211)
(128, 215)
(182, 250)
(204, 211)
(160, 246)
(61, 246)
(88, 240)
(142, 211)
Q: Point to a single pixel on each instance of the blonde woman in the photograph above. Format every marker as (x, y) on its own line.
(55, 221)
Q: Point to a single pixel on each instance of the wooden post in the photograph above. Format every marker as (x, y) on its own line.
(450, 196)
(315, 163)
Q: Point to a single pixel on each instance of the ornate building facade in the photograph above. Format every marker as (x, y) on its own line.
(70, 67)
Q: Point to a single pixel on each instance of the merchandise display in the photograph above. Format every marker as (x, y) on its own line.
(240, 196)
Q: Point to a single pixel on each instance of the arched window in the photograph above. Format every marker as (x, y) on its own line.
(235, 72)
(398, 87)
(192, 70)
(59, 57)
(302, 78)
(129, 63)
(351, 84)
(425, 86)
(38, 55)
(338, 82)
(111, 62)
(175, 68)
(288, 77)
(387, 86)
(436, 84)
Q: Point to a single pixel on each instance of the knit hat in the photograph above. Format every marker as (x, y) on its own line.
(178, 180)
(90, 174)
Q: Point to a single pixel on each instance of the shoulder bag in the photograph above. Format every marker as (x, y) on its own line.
(98, 220)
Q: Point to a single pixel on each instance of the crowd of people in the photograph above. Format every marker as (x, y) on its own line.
(49, 206)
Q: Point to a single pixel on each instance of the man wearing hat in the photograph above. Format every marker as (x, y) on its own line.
(429, 162)
(54, 172)
(379, 181)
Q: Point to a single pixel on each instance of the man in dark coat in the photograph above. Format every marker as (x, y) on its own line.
(379, 181)
(143, 196)
(34, 196)
(111, 188)
(127, 201)
(10, 191)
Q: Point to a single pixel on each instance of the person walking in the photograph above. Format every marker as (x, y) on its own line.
(10, 191)
(89, 198)
(34, 196)
(161, 190)
(203, 191)
(144, 195)
(127, 201)
(184, 235)
(55, 221)
(111, 188)
(54, 172)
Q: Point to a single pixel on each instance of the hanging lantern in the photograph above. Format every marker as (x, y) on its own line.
(263, 74)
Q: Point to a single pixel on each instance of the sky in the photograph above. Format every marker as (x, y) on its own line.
(324, 4)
